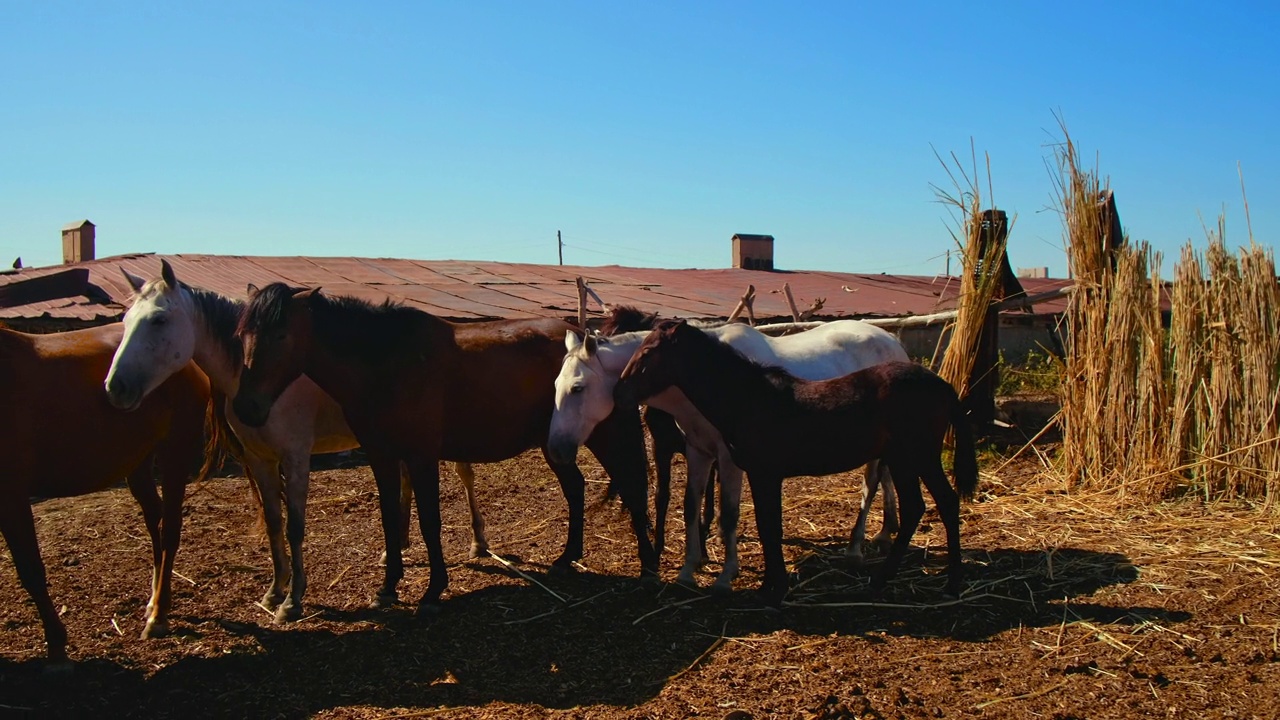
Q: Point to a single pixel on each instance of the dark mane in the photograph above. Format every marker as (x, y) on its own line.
(352, 327)
(267, 308)
(725, 353)
(221, 318)
(627, 318)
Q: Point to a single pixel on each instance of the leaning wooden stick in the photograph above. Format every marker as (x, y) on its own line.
(791, 302)
(743, 304)
(582, 303)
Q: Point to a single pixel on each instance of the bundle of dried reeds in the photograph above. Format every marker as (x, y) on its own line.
(982, 248)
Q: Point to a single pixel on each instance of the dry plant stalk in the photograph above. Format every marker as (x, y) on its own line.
(1149, 412)
(982, 254)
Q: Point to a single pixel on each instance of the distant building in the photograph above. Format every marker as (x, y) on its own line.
(752, 252)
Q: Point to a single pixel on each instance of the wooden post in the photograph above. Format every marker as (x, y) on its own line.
(582, 304)
(791, 302)
(748, 298)
(984, 377)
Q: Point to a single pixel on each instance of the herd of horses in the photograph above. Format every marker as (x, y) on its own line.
(295, 371)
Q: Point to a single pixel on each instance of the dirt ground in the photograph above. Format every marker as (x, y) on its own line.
(1075, 608)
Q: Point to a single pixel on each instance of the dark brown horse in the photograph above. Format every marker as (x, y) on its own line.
(61, 437)
(418, 389)
(779, 426)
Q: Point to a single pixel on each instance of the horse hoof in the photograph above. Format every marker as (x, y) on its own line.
(650, 579)
(288, 613)
(559, 569)
(855, 559)
(155, 629)
(382, 601)
(58, 668)
(478, 552)
(427, 610)
(271, 600)
(721, 589)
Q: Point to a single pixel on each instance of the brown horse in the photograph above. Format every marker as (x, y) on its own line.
(60, 437)
(418, 389)
(778, 426)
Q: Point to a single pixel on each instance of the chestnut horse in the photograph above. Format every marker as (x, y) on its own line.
(170, 324)
(61, 437)
(778, 426)
(418, 389)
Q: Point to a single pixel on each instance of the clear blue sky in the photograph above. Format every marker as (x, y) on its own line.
(648, 132)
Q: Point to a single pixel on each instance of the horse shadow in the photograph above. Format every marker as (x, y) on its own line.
(606, 640)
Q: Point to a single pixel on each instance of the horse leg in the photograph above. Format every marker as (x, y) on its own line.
(425, 474)
(479, 540)
(730, 504)
(869, 487)
(177, 459)
(889, 526)
(143, 488)
(386, 472)
(265, 475)
(406, 511)
(618, 443)
(297, 483)
(695, 553)
(766, 492)
(708, 507)
(18, 526)
(911, 505)
(573, 485)
(667, 441)
(948, 504)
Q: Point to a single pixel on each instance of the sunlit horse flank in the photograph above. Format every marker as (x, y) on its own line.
(417, 389)
(60, 436)
(778, 426)
(584, 394)
(171, 323)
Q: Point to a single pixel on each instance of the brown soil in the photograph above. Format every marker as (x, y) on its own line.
(1075, 609)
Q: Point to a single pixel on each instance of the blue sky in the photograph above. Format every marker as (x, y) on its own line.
(648, 133)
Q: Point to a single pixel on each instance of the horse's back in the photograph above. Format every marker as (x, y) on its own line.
(62, 436)
(838, 348)
(500, 387)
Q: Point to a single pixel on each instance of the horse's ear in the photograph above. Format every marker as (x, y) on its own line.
(134, 281)
(590, 345)
(571, 341)
(251, 290)
(166, 272)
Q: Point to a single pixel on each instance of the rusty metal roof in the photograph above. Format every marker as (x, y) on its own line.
(470, 290)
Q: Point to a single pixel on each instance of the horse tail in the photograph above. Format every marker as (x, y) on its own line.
(965, 456)
(220, 440)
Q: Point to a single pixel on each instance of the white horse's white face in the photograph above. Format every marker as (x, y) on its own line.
(159, 339)
(584, 396)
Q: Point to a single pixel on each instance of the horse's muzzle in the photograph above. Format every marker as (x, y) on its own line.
(562, 450)
(123, 395)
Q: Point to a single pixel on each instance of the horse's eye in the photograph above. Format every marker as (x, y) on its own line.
(159, 320)
(576, 389)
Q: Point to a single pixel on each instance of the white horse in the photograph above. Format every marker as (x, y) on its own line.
(170, 323)
(584, 397)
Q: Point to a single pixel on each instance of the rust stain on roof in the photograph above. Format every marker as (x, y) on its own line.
(470, 290)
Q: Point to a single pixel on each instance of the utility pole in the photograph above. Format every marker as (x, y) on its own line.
(560, 247)
(948, 263)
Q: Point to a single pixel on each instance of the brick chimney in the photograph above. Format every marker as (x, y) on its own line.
(77, 242)
(753, 252)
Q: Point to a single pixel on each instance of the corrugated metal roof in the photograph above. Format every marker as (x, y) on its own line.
(468, 290)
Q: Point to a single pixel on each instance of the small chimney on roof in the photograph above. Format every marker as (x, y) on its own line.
(77, 242)
(753, 252)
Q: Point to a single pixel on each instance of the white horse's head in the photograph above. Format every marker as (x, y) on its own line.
(159, 339)
(584, 395)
